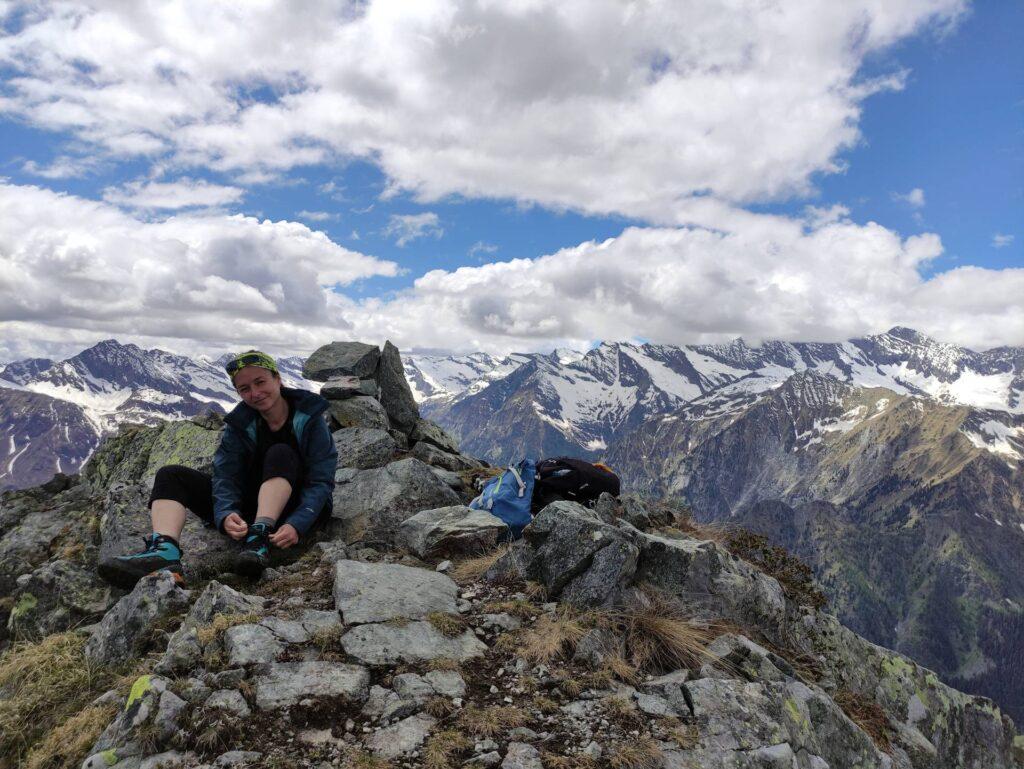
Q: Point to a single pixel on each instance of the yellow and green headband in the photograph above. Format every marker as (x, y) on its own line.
(250, 358)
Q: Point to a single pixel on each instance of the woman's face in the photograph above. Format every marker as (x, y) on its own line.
(258, 387)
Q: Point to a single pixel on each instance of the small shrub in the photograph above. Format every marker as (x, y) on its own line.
(868, 715)
(795, 576)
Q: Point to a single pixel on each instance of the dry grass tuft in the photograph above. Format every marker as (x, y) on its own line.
(472, 569)
(555, 761)
(444, 663)
(685, 735)
(488, 722)
(439, 707)
(868, 715)
(221, 622)
(659, 635)
(44, 685)
(635, 754)
(535, 591)
(516, 608)
(328, 638)
(443, 747)
(623, 712)
(357, 758)
(618, 666)
(450, 625)
(68, 743)
(545, 705)
(552, 635)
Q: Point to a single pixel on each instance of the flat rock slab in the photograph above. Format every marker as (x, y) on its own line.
(286, 683)
(401, 738)
(431, 432)
(450, 531)
(356, 359)
(364, 447)
(446, 460)
(341, 387)
(251, 644)
(359, 411)
(377, 592)
(412, 642)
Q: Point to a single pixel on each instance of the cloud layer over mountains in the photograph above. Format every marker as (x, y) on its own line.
(677, 114)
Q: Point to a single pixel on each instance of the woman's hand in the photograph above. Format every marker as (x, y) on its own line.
(235, 527)
(284, 537)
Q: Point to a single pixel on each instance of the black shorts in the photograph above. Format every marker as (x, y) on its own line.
(194, 489)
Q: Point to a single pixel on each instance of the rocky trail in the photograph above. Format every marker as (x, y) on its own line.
(410, 635)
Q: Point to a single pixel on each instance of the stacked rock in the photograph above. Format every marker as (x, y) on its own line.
(376, 422)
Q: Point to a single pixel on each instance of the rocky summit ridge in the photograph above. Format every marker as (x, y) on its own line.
(408, 635)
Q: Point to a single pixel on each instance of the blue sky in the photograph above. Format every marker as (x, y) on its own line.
(530, 133)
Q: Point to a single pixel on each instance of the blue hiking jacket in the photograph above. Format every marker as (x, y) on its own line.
(234, 463)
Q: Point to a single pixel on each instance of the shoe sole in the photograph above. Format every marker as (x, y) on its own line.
(250, 567)
(127, 580)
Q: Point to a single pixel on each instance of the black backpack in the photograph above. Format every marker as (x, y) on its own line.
(573, 479)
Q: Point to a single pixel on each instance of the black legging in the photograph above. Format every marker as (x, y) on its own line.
(194, 489)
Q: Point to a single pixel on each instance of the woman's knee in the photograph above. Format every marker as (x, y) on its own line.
(281, 461)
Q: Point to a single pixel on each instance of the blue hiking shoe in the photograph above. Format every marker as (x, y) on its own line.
(161, 554)
(255, 555)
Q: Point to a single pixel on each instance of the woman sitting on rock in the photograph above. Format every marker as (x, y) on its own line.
(273, 475)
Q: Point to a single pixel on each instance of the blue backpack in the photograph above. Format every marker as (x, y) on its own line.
(508, 496)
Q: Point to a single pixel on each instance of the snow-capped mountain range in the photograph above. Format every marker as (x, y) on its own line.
(524, 404)
(585, 402)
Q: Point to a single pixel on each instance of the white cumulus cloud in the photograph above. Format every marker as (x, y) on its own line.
(171, 196)
(81, 267)
(596, 105)
(405, 228)
(1000, 240)
(914, 198)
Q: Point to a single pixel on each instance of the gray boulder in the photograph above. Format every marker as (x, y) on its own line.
(395, 394)
(710, 578)
(450, 531)
(284, 684)
(402, 738)
(251, 644)
(579, 557)
(219, 598)
(364, 447)
(513, 565)
(355, 359)
(124, 630)
(151, 705)
(521, 755)
(377, 592)
(413, 642)
(426, 431)
(58, 595)
(230, 700)
(434, 456)
(373, 503)
(341, 387)
(359, 411)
